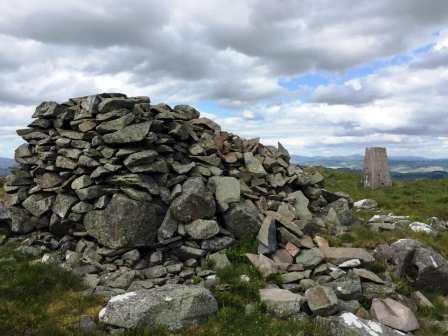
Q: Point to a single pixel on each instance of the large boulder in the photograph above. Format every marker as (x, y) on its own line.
(195, 202)
(243, 219)
(419, 263)
(171, 306)
(125, 222)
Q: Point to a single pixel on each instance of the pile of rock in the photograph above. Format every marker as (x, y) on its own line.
(134, 195)
(141, 200)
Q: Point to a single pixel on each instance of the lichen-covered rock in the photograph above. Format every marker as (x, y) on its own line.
(349, 324)
(125, 223)
(322, 300)
(171, 306)
(202, 229)
(195, 202)
(243, 219)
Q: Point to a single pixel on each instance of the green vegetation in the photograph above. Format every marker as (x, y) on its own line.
(419, 199)
(40, 299)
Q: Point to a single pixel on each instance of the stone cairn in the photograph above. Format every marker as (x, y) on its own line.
(133, 196)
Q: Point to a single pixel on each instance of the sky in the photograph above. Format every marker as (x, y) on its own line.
(323, 77)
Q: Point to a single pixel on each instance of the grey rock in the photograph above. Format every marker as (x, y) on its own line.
(347, 287)
(81, 182)
(155, 272)
(219, 260)
(394, 314)
(424, 266)
(253, 165)
(172, 306)
(136, 194)
(310, 258)
(182, 168)
(125, 223)
(62, 204)
(349, 324)
(168, 227)
(48, 109)
(281, 303)
(367, 275)
(338, 255)
(118, 279)
(217, 243)
(243, 219)
(90, 193)
(185, 252)
(195, 202)
(48, 180)
(322, 300)
(129, 134)
(367, 204)
(202, 229)
(115, 103)
(65, 163)
(140, 158)
(301, 205)
(294, 276)
(38, 204)
(227, 190)
(372, 290)
(267, 236)
(116, 124)
(20, 220)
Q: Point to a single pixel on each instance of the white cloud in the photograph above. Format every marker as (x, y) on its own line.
(234, 53)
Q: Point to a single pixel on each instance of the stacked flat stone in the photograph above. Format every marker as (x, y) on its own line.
(108, 185)
(142, 199)
(132, 174)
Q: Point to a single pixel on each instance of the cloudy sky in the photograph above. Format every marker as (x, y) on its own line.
(324, 77)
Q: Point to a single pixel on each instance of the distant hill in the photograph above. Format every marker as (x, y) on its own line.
(402, 168)
(5, 165)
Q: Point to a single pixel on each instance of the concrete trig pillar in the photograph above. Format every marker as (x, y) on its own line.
(376, 168)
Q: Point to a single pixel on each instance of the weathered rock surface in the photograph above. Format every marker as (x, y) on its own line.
(322, 300)
(171, 306)
(420, 263)
(282, 303)
(195, 202)
(125, 223)
(394, 314)
(350, 324)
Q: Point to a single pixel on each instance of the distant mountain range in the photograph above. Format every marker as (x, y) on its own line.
(5, 165)
(402, 167)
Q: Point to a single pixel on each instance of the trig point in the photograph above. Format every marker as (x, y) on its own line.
(376, 168)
